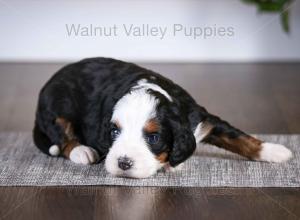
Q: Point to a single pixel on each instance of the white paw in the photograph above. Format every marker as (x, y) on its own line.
(168, 168)
(84, 155)
(274, 153)
(54, 150)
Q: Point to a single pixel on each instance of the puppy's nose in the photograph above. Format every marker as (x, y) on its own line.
(125, 163)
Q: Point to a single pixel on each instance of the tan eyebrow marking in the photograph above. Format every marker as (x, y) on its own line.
(152, 126)
(117, 124)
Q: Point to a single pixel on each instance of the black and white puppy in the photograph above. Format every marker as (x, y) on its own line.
(136, 119)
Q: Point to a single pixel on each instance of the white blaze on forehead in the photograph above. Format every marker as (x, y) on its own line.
(146, 85)
(135, 109)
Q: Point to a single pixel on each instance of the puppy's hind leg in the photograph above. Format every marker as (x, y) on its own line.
(72, 149)
(221, 134)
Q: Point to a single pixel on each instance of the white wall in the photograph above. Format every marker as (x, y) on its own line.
(36, 31)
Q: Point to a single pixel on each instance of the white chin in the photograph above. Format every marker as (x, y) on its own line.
(138, 173)
(132, 173)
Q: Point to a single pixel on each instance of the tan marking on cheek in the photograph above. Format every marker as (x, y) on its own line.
(162, 157)
(152, 126)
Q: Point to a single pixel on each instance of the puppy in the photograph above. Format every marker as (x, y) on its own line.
(136, 119)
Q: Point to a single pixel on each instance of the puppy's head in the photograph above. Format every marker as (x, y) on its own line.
(146, 134)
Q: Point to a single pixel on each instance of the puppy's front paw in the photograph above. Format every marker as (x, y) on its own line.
(168, 168)
(84, 155)
(274, 153)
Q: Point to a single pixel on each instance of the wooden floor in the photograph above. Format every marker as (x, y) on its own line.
(258, 98)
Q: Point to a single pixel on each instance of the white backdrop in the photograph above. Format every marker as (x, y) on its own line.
(37, 31)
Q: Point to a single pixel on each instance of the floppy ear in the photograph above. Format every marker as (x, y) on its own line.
(184, 144)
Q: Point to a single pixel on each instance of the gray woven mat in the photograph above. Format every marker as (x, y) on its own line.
(22, 164)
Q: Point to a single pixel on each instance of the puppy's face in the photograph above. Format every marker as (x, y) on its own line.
(143, 140)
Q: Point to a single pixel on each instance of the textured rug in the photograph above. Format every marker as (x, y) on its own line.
(22, 164)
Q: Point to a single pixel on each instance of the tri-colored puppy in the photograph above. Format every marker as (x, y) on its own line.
(136, 119)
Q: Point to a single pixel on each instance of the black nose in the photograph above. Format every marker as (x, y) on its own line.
(125, 163)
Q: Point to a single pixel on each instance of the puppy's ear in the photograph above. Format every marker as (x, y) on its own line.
(184, 144)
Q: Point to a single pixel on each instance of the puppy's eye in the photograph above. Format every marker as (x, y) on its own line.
(152, 138)
(114, 133)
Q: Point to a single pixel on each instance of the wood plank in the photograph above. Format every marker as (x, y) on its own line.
(148, 203)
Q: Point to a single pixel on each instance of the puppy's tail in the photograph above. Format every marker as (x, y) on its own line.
(215, 131)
